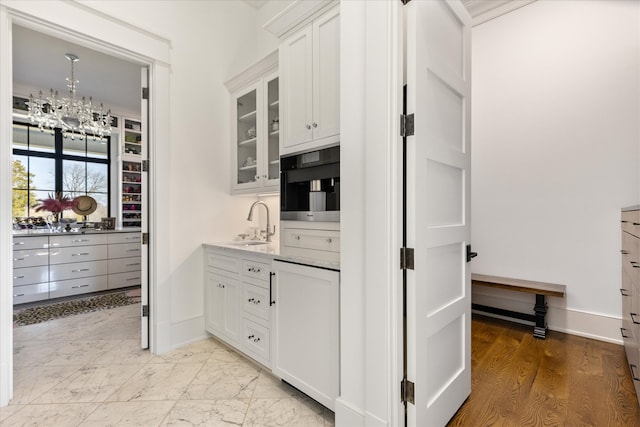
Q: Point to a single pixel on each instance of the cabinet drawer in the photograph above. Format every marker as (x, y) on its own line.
(255, 300)
(223, 262)
(27, 276)
(77, 240)
(122, 265)
(35, 242)
(30, 293)
(631, 222)
(123, 238)
(319, 240)
(127, 250)
(256, 340)
(123, 280)
(77, 254)
(257, 270)
(85, 285)
(30, 258)
(77, 269)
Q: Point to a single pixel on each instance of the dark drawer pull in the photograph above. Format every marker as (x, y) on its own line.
(131, 265)
(133, 250)
(18, 259)
(622, 292)
(80, 240)
(18, 277)
(622, 333)
(633, 318)
(623, 252)
(633, 372)
(18, 295)
(133, 278)
(18, 243)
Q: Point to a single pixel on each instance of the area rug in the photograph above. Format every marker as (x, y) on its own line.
(32, 315)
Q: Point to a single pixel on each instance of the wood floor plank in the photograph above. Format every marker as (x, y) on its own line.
(565, 380)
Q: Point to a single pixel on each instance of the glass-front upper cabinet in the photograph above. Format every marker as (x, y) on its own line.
(255, 129)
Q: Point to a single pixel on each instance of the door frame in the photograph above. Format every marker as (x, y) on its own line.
(95, 30)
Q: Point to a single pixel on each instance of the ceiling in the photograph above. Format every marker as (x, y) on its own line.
(39, 63)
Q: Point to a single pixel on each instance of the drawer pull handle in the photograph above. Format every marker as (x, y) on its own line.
(635, 264)
(81, 254)
(131, 265)
(79, 270)
(220, 285)
(18, 244)
(256, 339)
(329, 240)
(623, 252)
(636, 223)
(624, 221)
(623, 292)
(18, 295)
(132, 238)
(133, 278)
(80, 240)
(633, 318)
(250, 300)
(250, 336)
(79, 286)
(18, 259)
(622, 333)
(256, 302)
(633, 372)
(133, 250)
(296, 237)
(18, 277)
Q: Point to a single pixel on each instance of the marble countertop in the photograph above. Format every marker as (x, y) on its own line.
(271, 251)
(631, 208)
(47, 232)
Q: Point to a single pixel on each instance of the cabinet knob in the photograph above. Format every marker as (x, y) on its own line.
(256, 339)
(296, 237)
(250, 336)
(308, 127)
(329, 240)
(250, 300)
(256, 302)
(315, 125)
(264, 176)
(257, 177)
(623, 252)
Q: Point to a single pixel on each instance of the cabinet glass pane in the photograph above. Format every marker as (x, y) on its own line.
(273, 120)
(247, 132)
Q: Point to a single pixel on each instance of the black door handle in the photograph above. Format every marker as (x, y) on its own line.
(470, 255)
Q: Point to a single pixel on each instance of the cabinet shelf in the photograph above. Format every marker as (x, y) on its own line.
(249, 117)
(247, 168)
(250, 141)
(274, 133)
(274, 104)
(274, 162)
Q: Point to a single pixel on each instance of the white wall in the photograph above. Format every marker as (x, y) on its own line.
(556, 151)
(211, 41)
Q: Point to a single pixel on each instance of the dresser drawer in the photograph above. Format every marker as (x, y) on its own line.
(77, 270)
(30, 293)
(77, 254)
(122, 265)
(29, 275)
(256, 341)
(124, 238)
(65, 288)
(319, 240)
(77, 240)
(32, 242)
(257, 270)
(255, 300)
(30, 257)
(631, 222)
(223, 262)
(126, 250)
(123, 280)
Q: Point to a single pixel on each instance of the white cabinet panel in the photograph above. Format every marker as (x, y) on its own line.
(122, 265)
(30, 258)
(223, 262)
(256, 341)
(83, 285)
(77, 270)
(306, 338)
(30, 293)
(255, 300)
(255, 269)
(77, 240)
(127, 250)
(30, 242)
(29, 275)
(124, 238)
(123, 280)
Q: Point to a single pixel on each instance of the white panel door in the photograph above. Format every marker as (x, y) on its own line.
(144, 253)
(438, 198)
(326, 75)
(296, 88)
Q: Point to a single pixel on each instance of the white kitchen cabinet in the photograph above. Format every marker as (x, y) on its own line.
(630, 290)
(237, 309)
(306, 343)
(255, 130)
(310, 85)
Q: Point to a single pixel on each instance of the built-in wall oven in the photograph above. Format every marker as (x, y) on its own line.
(310, 186)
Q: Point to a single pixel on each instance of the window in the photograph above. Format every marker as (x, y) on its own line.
(46, 162)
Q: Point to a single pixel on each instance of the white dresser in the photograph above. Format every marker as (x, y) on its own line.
(630, 290)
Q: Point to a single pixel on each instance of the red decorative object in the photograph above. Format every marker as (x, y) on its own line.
(54, 204)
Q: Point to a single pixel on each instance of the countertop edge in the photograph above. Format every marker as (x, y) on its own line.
(631, 208)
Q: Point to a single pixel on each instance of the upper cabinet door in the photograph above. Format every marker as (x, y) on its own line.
(297, 73)
(326, 73)
(310, 85)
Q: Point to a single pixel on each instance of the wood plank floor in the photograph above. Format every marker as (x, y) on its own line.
(565, 380)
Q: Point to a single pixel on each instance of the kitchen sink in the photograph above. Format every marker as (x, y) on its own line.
(248, 243)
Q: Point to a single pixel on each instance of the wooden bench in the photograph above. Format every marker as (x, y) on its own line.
(540, 289)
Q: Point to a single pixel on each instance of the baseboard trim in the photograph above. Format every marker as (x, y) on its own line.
(348, 415)
(187, 331)
(559, 317)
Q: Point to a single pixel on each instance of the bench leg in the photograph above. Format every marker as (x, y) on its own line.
(540, 330)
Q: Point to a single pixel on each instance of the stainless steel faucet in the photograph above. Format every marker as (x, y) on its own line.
(250, 218)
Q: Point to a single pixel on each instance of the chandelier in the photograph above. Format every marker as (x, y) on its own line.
(72, 115)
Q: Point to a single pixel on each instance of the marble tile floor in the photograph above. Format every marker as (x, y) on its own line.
(88, 370)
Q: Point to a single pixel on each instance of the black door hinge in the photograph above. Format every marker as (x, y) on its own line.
(407, 391)
(145, 238)
(406, 259)
(145, 93)
(145, 311)
(470, 255)
(405, 1)
(406, 125)
(145, 166)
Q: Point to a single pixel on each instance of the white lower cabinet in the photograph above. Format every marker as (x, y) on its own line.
(222, 309)
(306, 343)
